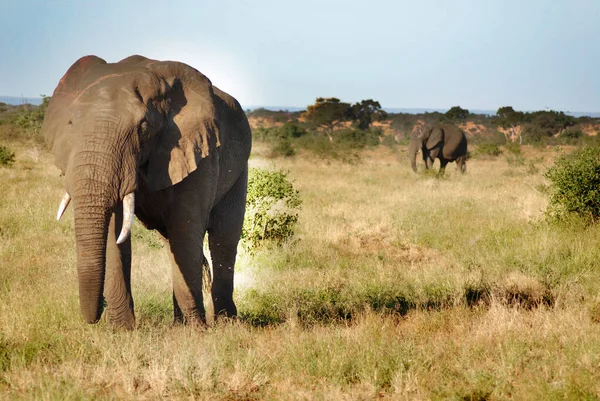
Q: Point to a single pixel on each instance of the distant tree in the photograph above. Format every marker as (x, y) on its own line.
(366, 112)
(328, 113)
(547, 123)
(456, 114)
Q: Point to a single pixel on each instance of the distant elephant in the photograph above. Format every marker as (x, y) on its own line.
(158, 140)
(446, 142)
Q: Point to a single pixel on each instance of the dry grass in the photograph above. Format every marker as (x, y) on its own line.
(397, 287)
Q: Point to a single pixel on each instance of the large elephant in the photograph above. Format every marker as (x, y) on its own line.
(158, 140)
(446, 142)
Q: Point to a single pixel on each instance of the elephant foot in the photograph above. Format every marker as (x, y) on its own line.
(195, 316)
(118, 326)
(121, 320)
(225, 309)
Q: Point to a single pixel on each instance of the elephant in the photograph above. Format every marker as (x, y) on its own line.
(157, 140)
(446, 142)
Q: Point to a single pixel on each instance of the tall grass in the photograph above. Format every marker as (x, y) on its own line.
(396, 286)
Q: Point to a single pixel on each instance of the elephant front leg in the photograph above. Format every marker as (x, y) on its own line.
(186, 259)
(117, 290)
(443, 164)
(429, 162)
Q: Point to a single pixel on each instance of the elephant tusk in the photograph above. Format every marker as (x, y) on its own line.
(128, 213)
(63, 205)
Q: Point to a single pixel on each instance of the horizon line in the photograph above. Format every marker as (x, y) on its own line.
(298, 108)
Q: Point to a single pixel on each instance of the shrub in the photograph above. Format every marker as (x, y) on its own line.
(286, 131)
(271, 208)
(487, 150)
(291, 130)
(322, 147)
(7, 158)
(575, 185)
(513, 147)
(358, 138)
(264, 134)
(283, 147)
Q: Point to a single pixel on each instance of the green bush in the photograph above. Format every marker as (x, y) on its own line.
(322, 147)
(575, 185)
(283, 147)
(358, 138)
(264, 134)
(513, 147)
(271, 208)
(7, 158)
(292, 130)
(288, 130)
(487, 150)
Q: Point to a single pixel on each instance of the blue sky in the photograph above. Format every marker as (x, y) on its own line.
(479, 54)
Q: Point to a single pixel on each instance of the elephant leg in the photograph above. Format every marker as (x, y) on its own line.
(186, 259)
(429, 162)
(461, 164)
(225, 228)
(117, 290)
(443, 164)
(177, 313)
(186, 227)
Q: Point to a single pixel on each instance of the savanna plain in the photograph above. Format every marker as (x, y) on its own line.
(395, 286)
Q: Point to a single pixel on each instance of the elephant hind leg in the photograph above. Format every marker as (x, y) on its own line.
(461, 164)
(225, 228)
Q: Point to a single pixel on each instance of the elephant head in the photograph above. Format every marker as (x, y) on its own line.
(424, 138)
(114, 128)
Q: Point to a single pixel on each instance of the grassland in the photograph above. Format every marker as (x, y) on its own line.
(397, 286)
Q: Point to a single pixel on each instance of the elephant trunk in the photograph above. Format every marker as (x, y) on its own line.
(413, 148)
(94, 199)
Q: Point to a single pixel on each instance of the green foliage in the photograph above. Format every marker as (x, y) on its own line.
(328, 113)
(575, 185)
(487, 150)
(507, 117)
(326, 149)
(545, 124)
(271, 208)
(283, 148)
(358, 138)
(292, 130)
(7, 158)
(366, 112)
(281, 138)
(456, 114)
(31, 119)
(288, 130)
(513, 147)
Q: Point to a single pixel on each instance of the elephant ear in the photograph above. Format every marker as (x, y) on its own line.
(190, 130)
(57, 128)
(435, 138)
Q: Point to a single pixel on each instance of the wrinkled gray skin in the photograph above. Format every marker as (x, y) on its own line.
(161, 131)
(446, 142)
